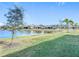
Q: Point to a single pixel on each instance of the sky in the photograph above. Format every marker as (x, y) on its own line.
(46, 13)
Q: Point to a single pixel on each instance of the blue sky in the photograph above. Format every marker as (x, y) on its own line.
(43, 12)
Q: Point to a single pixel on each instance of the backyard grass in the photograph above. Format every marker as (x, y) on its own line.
(48, 45)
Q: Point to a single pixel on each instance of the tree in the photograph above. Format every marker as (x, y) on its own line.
(71, 23)
(76, 25)
(14, 20)
(67, 23)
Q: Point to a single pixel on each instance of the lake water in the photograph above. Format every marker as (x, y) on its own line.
(7, 34)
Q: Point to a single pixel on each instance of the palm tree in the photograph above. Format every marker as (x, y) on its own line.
(67, 23)
(71, 23)
(76, 25)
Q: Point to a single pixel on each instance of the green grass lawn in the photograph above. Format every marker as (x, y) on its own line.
(58, 44)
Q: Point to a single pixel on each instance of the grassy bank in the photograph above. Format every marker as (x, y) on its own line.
(27, 41)
(56, 44)
(67, 45)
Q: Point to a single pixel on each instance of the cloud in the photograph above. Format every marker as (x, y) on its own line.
(60, 3)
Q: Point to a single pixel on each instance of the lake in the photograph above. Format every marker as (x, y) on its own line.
(7, 34)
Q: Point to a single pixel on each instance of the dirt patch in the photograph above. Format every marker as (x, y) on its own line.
(5, 44)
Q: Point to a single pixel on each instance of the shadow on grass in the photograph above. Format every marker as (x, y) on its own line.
(65, 46)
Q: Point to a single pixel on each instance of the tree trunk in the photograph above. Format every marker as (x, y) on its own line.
(12, 37)
(67, 28)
